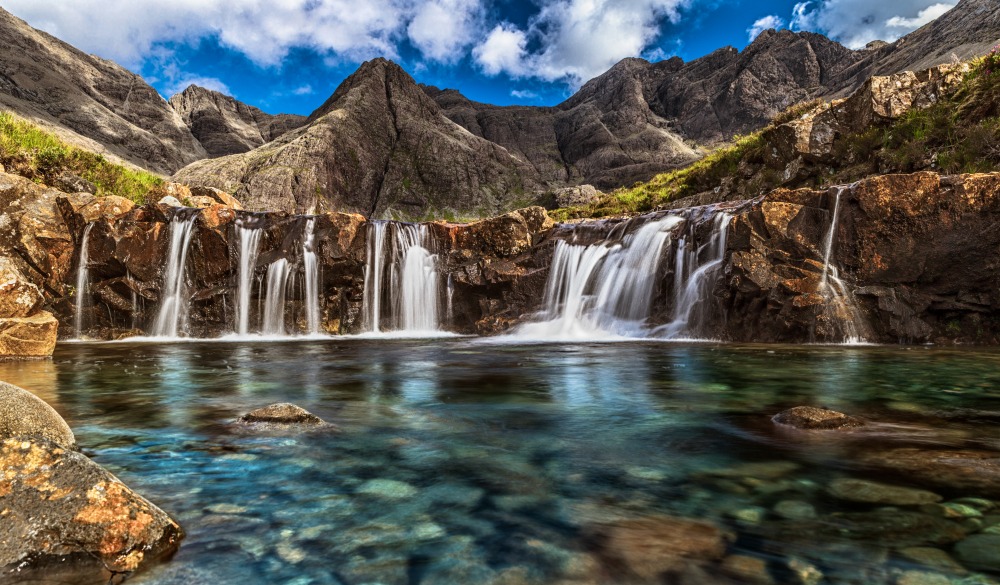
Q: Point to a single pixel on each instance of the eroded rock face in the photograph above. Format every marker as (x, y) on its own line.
(68, 520)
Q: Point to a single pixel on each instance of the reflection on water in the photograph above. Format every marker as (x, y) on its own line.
(463, 462)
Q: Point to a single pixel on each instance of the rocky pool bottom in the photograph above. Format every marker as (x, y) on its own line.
(462, 461)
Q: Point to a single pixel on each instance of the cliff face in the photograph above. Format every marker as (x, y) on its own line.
(95, 103)
(379, 146)
(224, 125)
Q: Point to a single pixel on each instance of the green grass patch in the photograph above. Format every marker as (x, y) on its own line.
(30, 151)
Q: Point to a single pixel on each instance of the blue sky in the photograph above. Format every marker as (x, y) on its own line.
(289, 55)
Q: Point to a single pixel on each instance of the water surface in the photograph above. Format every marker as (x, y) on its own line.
(465, 462)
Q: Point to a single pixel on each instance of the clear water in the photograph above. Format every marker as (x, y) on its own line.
(498, 457)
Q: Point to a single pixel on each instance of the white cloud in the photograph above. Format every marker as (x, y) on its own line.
(503, 51)
(855, 23)
(264, 30)
(443, 29)
(576, 39)
(181, 83)
(523, 94)
(762, 24)
(304, 90)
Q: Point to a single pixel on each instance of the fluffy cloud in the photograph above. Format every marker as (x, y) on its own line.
(575, 40)
(263, 30)
(762, 24)
(855, 23)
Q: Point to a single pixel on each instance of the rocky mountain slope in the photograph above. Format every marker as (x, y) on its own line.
(379, 146)
(223, 125)
(95, 103)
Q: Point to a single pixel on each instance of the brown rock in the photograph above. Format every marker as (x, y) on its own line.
(650, 547)
(975, 472)
(66, 519)
(281, 413)
(870, 492)
(217, 196)
(19, 297)
(747, 569)
(29, 337)
(813, 418)
(24, 415)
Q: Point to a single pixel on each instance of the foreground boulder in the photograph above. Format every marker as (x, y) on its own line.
(24, 415)
(64, 518)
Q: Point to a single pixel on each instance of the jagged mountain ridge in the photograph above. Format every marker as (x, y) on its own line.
(224, 125)
(378, 146)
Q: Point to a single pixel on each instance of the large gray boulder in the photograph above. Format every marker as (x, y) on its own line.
(24, 415)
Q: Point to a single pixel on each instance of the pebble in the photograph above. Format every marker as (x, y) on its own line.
(747, 569)
(795, 510)
(871, 492)
(750, 515)
(228, 509)
(922, 578)
(389, 489)
(981, 551)
(934, 558)
(804, 572)
(291, 553)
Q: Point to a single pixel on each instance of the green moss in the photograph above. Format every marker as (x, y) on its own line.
(28, 150)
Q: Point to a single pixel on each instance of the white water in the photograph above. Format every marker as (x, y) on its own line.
(406, 273)
(274, 303)
(696, 273)
(312, 278)
(604, 290)
(835, 289)
(82, 282)
(249, 247)
(172, 316)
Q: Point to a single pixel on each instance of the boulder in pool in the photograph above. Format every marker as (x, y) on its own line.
(811, 418)
(24, 415)
(282, 414)
(68, 520)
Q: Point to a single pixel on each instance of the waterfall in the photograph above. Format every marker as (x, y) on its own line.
(834, 288)
(249, 247)
(696, 271)
(374, 268)
(312, 278)
(603, 289)
(173, 294)
(82, 282)
(401, 266)
(278, 274)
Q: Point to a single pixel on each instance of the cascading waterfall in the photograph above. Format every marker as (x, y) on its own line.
(696, 270)
(278, 274)
(249, 248)
(605, 288)
(82, 282)
(406, 273)
(312, 277)
(834, 288)
(172, 316)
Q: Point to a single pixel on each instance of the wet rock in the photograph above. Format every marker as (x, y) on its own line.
(65, 515)
(870, 492)
(804, 572)
(24, 415)
(747, 569)
(934, 558)
(281, 413)
(972, 471)
(922, 578)
(902, 528)
(813, 418)
(795, 510)
(650, 547)
(757, 470)
(170, 201)
(952, 510)
(389, 489)
(980, 551)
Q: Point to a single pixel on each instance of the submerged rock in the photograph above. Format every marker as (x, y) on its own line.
(871, 492)
(650, 547)
(282, 413)
(973, 471)
(65, 519)
(24, 415)
(813, 418)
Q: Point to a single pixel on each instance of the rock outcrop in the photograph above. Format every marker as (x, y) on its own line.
(89, 101)
(379, 146)
(224, 125)
(65, 519)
